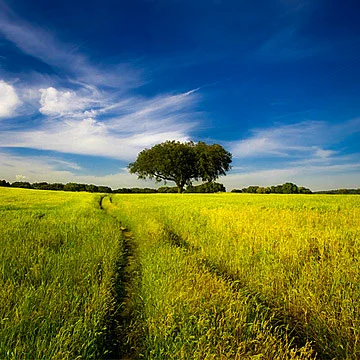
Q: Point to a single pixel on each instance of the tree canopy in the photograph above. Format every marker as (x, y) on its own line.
(182, 162)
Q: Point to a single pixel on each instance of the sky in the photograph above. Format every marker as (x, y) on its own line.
(86, 85)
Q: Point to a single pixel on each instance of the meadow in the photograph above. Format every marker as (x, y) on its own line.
(167, 276)
(58, 273)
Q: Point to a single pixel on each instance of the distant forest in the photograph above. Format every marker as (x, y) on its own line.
(290, 188)
(209, 187)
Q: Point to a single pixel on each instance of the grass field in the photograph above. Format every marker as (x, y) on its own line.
(58, 272)
(161, 276)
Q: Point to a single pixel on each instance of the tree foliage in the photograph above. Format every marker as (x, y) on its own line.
(4, 183)
(212, 161)
(21, 184)
(182, 162)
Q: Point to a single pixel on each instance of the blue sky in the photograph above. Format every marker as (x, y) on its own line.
(86, 85)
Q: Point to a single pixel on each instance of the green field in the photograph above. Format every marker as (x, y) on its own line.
(162, 276)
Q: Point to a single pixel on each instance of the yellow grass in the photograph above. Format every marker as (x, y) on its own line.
(163, 276)
(296, 255)
(58, 254)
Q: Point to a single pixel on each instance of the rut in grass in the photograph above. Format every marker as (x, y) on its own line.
(123, 336)
(291, 327)
(101, 201)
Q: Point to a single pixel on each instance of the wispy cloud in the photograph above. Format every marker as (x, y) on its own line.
(72, 126)
(309, 153)
(89, 110)
(43, 45)
(307, 138)
(287, 42)
(289, 45)
(161, 112)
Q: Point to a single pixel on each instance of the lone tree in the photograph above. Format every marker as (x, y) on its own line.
(182, 162)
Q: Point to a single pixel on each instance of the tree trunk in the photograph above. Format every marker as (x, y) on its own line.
(180, 188)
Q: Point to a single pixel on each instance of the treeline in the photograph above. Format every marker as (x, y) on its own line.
(339, 191)
(287, 188)
(209, 187)
(57, 186)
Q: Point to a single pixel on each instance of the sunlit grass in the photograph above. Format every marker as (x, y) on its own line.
(296, 254)
(58, 256)
(221, 276)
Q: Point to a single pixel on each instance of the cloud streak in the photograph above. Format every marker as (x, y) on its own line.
(308, 138)
(43, 45)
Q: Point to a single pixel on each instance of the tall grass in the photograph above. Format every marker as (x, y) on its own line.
(231, 276)
(297, 257)
(186, 310)
(58, 256)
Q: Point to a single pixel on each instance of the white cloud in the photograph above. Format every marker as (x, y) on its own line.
(144, 124)
(57, 102)
(324, 154)
(87, 137)
(258, 145)
(9, 100)
(21, 178)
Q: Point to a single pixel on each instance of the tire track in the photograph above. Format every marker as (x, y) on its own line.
(124, 336)
(291, 327)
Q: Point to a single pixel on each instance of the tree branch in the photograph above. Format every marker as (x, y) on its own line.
(163, 177)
